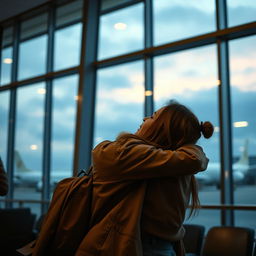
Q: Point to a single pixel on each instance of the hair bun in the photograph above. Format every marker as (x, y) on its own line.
(207, 129)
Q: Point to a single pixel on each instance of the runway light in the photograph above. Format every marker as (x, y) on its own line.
(33, 147)
(148, 93)
(240, 124)
(41, 91)
(120, 26)
(7, 61)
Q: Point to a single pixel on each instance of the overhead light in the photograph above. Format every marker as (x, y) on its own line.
(240, 124)
(41, 91)
(33, 147)
(7, 61)
(120, 26)
(148, 93)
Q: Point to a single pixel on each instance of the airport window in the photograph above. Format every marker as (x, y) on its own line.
(4, 111)
(241, 11)
(194, 82)
(63, 127)
(28, 142)
(67, 47)
(6, 65)
(170, 24)
(119, 101)
(32, 57)
(121, 31)
(243, 92)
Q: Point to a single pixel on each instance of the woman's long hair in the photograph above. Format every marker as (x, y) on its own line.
(174, 127)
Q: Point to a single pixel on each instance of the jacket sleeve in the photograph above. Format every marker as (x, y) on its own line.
(142, 161)
(3, 180)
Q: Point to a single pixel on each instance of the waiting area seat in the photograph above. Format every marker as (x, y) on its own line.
(228, 241)
(16, 229)
(193, 239)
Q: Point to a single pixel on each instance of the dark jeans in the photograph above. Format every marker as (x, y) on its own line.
(154, 246)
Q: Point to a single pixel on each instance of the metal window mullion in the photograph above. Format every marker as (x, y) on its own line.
(46, 163)
(87, 84)
(12, 114)
(227, 216)
(148, 60)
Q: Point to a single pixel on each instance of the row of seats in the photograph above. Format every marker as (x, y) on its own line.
(219, 241)
(19, 226)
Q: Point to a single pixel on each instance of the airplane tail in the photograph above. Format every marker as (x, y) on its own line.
(19, 163)
(244, 158)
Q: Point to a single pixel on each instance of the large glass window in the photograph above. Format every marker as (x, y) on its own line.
(6, 65)
(29, 142)
(241, 11)
(243, 92)
(63, 132)
(4, 112)
(121, 31)
(32, 57)
(67, 47)
(175, 20)
(119, 100)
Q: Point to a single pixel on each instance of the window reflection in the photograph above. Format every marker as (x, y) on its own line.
(119, 101)
(67, 47)
(121, 31)
(241, 11)
(28, 143)
(32, 57)
(4, 112)
(175, 20)
(6, 65)
(190, 77)
(63, 130)
(243, 95)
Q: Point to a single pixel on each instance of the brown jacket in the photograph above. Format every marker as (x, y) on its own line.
(3, 180)
(121, 170)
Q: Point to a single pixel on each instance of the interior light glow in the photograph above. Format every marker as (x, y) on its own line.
(33, 147)
(216, 128)
(7, 61)
(76, 97)
(41, 91)
(120, 26)
(240, 124)
(148, 93)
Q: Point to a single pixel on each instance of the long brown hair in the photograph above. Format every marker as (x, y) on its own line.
(175, 126)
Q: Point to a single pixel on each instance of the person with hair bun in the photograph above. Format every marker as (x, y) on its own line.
(142, 186)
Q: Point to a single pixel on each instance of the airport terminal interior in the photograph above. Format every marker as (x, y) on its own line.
(74, 73)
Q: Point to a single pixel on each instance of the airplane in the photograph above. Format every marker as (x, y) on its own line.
(240, 168)
(33, 178)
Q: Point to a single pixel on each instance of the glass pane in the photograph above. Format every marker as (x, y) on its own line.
(207, 218)
(29, 143)
(69, 12)
(190, 77)
(107, 4)
(32, 58)
(121, 31)
(63, 132)
(67, 47)
(4, 114)
(119, 100)
(6, 66)
(241, 11)
(243, 95)
(246, 218)
(34, 26)
(175, 20)
(7, 36)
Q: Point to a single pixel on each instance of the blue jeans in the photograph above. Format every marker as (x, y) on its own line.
(154, 246)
